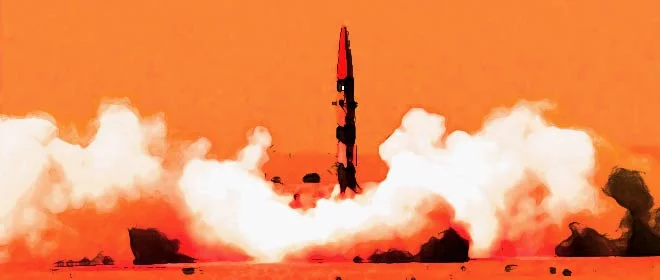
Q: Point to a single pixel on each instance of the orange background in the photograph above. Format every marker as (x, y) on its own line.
(218, 68)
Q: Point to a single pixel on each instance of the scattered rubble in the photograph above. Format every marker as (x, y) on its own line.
(510, 267)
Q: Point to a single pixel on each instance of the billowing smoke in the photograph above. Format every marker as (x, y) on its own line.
(481, 176)
(475, 174)
(41, 174)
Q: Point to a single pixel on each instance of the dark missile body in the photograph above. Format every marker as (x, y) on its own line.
(346, 105)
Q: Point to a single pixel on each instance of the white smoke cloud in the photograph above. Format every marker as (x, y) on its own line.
(42, 174)
(231, 200)
(474, 173)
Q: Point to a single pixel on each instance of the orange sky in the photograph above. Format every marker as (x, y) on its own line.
(218, 68)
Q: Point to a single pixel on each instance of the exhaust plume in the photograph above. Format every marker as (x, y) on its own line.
(475, 174)
(486, 177)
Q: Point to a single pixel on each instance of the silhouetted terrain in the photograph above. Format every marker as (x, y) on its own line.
(392, 256)
(100, 259)
(150, 246)
(450, 248)
(640, 226)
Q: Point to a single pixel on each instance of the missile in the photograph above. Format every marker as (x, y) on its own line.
(345, 109)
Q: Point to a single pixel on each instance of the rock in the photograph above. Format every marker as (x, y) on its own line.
(391, 256)
(85, 262)
(553, 270)
(450, 248)
(357, 259)
(108, 260)
(277, 180)
(188, 270)
(150, 246)
(311, 178)
(510, 267)
(566, 272)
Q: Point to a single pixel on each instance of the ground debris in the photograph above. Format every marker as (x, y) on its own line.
(567, 272)
(510, 267)
(188, 270)
(553, 270)
(276, 180)
(311, 178)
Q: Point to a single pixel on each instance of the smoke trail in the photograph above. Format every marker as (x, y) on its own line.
(42, 174)
(475, 174)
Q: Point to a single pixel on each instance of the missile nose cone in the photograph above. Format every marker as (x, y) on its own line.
(342, 59)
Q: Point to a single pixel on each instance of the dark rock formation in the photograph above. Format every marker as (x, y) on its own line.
(566, 272)
(150, 246)
(108, 261)
(450, 248)
(311, 178)
(100, 259)
(639, 238)
(391, 256)
(188, 270)
(358, 259)
(85, 262)
(553, 270)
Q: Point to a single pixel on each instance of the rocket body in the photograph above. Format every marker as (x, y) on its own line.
(345, 109)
